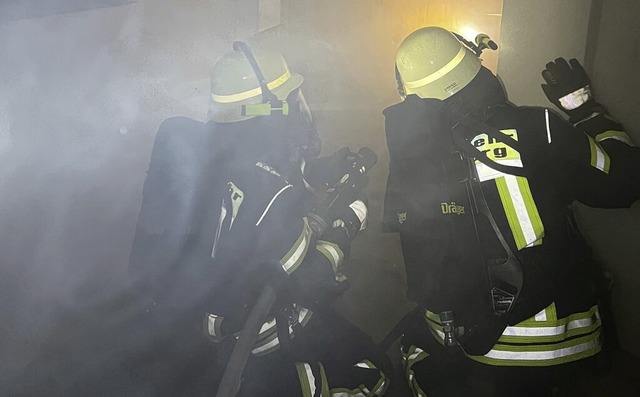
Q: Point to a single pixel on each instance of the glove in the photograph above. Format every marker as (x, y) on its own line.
(352, 219)
(326, 172)
(568, 88)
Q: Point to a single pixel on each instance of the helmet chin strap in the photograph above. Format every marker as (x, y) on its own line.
(270, 101)
(400, 87)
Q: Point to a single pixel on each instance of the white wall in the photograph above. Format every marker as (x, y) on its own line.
(615, 234)
(81, 97)
(533, 33)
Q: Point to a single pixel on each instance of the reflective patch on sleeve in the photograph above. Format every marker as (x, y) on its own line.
(362, 390)
(599, 158)
(360, 209)
(298, 251)
(589, 117)
(576, 99)
(333, 253)
(413, 356)
(307, 380)
(617, 135)
(381, 385)
(304, 314)
(213, 326)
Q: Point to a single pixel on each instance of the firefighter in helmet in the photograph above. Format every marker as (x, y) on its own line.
(228, 213)
(503, 282)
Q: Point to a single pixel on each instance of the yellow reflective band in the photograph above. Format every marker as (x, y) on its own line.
(532, 212)
(333, 253)
(552, 315)
(304, 315)
(266, 345)
(546, 314)
(298, 251)
(617, 135)
(591, 116)
(439, 73)
(214, 324)
(325, 390)
(413, 356)
(553, 331)
(380, 386)
(599, 158)
(521, 211)
(541, 316)
(307, 380)
(545, 354)
(268, 327)
(241, 96)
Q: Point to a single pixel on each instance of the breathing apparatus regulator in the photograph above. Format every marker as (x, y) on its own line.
(433, 62)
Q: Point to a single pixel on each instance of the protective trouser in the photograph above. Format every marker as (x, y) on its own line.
(434, 370)
(329, 357)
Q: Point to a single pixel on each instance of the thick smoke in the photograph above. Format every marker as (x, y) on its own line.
(82, 94)
(83, 89)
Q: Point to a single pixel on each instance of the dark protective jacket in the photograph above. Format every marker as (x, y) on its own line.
(220, 218)
(445, 261)
(224, 213)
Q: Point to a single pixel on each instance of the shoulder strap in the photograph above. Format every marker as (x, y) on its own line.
(505, 278)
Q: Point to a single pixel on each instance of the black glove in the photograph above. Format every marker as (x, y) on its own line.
(568, 88)
(353, 218)
(326, 172)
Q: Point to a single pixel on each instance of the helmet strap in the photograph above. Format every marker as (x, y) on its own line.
(270, 101)
(401, 91)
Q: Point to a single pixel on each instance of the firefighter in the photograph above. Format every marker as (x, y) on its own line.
(228, 213)
(503, 282)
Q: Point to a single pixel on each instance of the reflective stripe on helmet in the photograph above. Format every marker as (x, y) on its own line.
(439, 73)
(241, 96)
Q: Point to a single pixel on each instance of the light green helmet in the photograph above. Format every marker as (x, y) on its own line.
(432, 63)
(234, 84)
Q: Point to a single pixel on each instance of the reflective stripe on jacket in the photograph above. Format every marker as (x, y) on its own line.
(267, 338)
(309, 382)
(541, 340)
